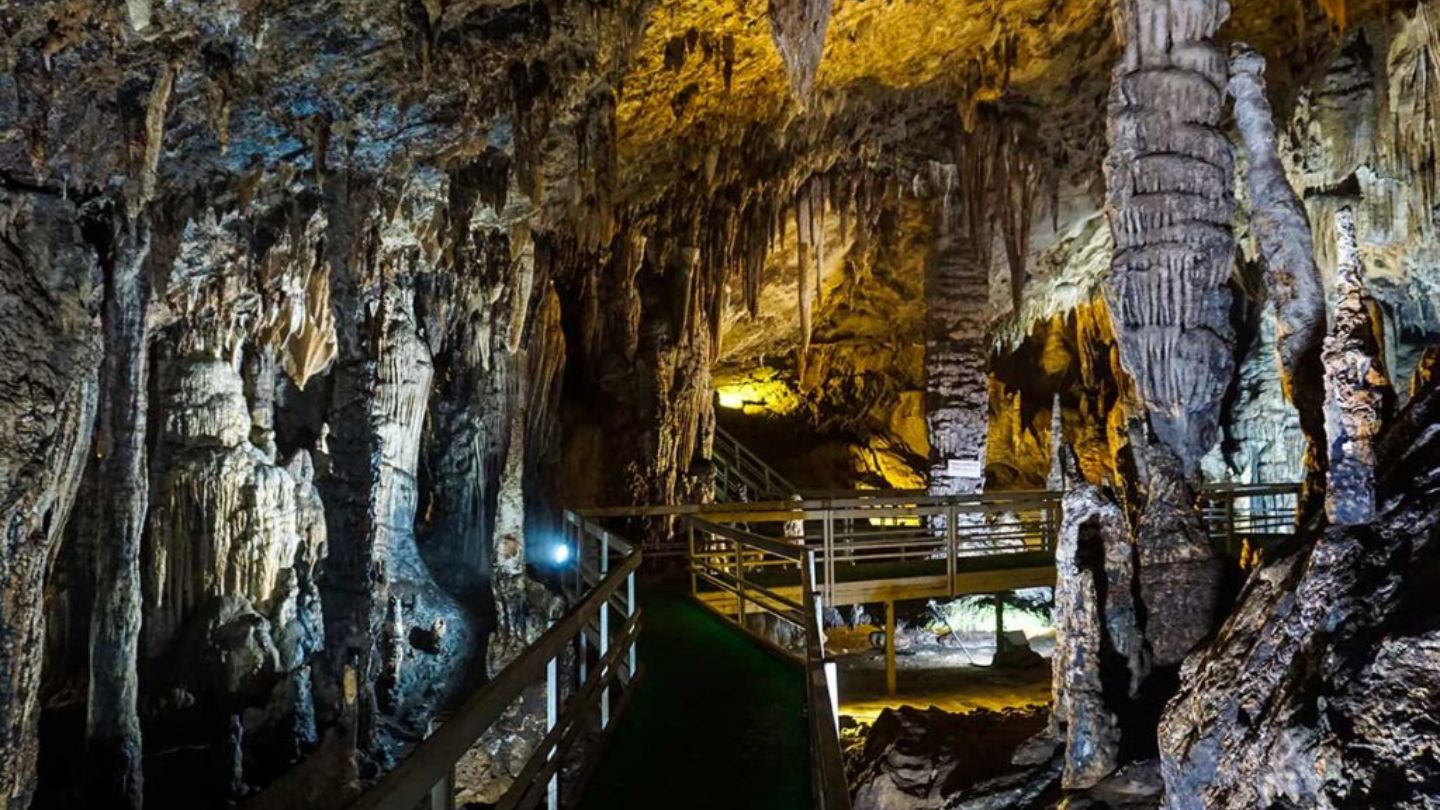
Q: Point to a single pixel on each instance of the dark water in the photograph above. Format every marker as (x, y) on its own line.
(718, 722)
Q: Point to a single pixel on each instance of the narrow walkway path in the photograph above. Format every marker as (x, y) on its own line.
(718, 722)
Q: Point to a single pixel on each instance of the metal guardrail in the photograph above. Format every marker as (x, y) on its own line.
(740, 475)
(605, 584)
(726, 570)
(1254, 516)
(872, 537)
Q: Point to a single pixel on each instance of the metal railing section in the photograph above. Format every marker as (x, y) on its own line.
(1249, 515)
(600, 631)
(872, 536)
(740, 475)
(722, 559)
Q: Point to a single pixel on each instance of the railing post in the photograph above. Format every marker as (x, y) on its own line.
(890, 679)
(442, 795)
(951, 552)
(694, 577)
(832, 682)
(604, 634)
(828, 521)
(739, 584)
(630, 607)
(1230, 524)
(579, 533)
(552, 718)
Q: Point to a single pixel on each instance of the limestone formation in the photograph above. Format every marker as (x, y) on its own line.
(956, 288)
(1357, 388)
(1319, 688)
(1170, 206)
(316, 315)
(1281, 229)
(50, 290)
(798, 27)
(1098, 647)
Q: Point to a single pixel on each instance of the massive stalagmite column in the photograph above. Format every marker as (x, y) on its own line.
(957, 287)
(1357, 389)
(112, 728)
(49, 299)
(1170, 207)
(1283, 236)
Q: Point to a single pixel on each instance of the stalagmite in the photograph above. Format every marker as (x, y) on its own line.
(1098, 654)
(1357, 389)
(1282, 233)
(1170, 207)
(112, 728)
(507, 571)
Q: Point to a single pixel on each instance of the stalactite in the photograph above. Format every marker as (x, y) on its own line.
(1414, 106)
(798, 29)
(802, 279)
(1282, 233)
(1017, 185)
(1357, 388)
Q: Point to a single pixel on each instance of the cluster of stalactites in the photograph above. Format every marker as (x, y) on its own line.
(730, 237)
(993, 186)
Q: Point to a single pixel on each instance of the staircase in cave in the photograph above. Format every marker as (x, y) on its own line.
(741, 475)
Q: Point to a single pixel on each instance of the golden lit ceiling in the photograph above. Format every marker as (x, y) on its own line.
(1054, 54)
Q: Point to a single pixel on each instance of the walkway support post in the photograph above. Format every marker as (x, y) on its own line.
(890, 685)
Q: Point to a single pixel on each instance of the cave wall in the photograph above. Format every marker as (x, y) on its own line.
(308, 236)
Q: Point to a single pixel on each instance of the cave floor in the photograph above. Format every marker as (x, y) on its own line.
(716, 722)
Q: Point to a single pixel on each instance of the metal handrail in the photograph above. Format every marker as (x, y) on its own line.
(737, 464)
(726, 570)
(427, 773)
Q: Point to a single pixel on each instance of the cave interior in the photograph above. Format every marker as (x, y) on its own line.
(908, 403)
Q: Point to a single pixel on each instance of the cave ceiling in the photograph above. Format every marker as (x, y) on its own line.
(699, 89)
(707, 82)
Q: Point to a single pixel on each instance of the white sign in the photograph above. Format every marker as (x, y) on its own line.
(964, 468)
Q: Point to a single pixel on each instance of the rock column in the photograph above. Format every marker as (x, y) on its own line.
(957, 397)
(1283, 236)
(1170, 208)
(49, 285)
(112, 727)
(1357, 389)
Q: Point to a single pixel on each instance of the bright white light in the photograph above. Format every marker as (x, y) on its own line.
(560, 553)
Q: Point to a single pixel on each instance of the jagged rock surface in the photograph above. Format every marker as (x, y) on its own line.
(1099, 657)
(49, 307)
(1357, 389)
(1319, 690)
